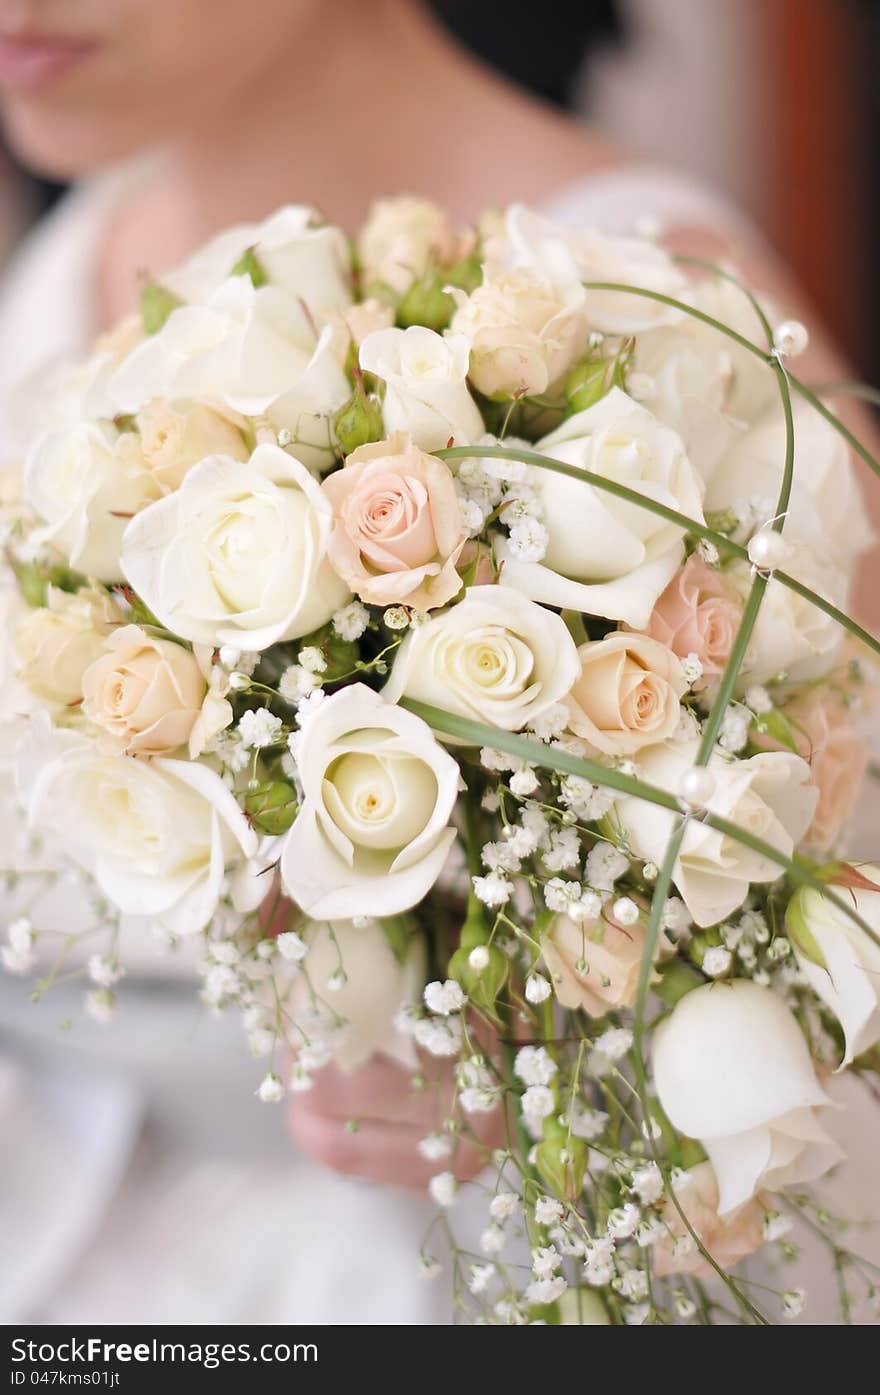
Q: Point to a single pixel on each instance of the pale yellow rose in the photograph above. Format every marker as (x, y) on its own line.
(627, 694)
(523, 332)
(401, 239)
(398, 528)
(145, 693)
(56, 643)
(357, 321)
(594, 964)
(173, 438)
(728, 1239)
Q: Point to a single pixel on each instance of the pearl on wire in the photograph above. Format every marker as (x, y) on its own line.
(790, 338)
(768, 550)
(697, 786)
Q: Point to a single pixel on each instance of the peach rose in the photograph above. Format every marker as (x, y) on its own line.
(146, 693)
(594, 964)
(838, 757)
(627, 694)
(173, 438)
(398, 528)
(728, 1239)
(56, 643)
(698, 613)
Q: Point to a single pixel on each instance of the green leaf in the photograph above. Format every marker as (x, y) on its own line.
(398, 930)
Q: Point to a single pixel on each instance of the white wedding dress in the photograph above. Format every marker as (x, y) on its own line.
(140, 1180)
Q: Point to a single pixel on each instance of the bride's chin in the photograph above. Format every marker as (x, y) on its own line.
(61, 145)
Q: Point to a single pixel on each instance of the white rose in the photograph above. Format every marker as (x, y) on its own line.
(254, 351)
(567, 255)
(426, 392)
(238, 554)
(523, 332)
(373, 832)
(401, 239)
(496, 658)
(605, 556)
(732, 1069)
(158, 836)
(86, 488)
(769, 796)
(791, 636)
(377, 986)
(839, 960)
(826, 514)
(294, 250)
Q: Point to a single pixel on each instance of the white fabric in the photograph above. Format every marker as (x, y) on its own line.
(139, 1178)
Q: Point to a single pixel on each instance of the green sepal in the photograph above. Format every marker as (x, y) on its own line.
(157, 303)
(777, 726)
(250, 265)
(398, 931)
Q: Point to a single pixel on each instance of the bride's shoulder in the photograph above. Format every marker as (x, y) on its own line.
(46, 286)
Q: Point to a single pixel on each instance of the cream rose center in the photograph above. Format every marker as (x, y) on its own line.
(380, 802)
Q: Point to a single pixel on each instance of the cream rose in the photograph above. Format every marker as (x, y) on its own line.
(523, 332)
(294, 250)
(238, 555)
(495, 657)
(728, 1238)
(401, 239)
(158, 836)
(373, 832)
(145, 693)
(627, 693)
(594, 964)
(825, 515)
(604, 556)
(175, 436)
(357, 1019)
(55, 644)
(86, 488)
(792, 639)
(398, 528)
(769, 796)
(732, 1069)
(568, 256)
(699, 613)
(254, 351)
(839, 960)
(426, 391)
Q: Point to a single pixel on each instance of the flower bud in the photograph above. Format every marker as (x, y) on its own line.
(561, 1160)
(586, 384)
(272, 806)
(428, 303)
(358, 421)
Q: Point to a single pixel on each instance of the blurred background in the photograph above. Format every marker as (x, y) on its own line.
(775, 102)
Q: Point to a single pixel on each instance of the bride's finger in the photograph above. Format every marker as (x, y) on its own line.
(379, 1152)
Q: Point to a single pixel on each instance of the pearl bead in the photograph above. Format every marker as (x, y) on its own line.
(768, 550)
(478, 958)
(790, 338)
(697, 786)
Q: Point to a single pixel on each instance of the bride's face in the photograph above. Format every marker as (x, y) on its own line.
(93, 81)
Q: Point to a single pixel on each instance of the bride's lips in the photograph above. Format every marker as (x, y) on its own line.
(32, 60)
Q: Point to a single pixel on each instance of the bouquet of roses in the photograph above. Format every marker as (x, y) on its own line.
(446, 629)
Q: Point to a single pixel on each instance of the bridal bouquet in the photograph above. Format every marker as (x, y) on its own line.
(446, 631)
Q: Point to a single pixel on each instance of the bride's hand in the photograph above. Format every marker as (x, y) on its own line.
(368, 1123)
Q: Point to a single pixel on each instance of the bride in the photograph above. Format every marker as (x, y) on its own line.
(146, 1183)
